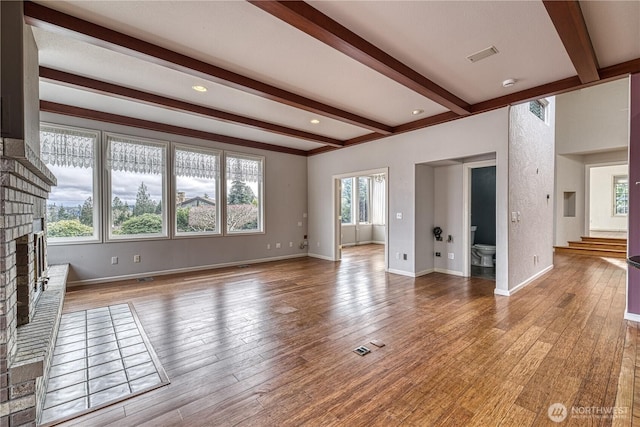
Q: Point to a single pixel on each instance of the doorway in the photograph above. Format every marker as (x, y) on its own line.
(360, 206)
(608, 200)
(479, 242)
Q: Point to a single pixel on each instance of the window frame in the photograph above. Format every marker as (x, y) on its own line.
(614, 193)
(261, 194)
(97, 236)
(352, 220)
(544, 105)
(218, 199)
(167, 212)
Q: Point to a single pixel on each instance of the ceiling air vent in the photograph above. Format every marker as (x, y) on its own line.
(484, 53)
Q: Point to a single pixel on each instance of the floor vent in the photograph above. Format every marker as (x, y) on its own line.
(145, 279)
(243, 266)
(362, 350)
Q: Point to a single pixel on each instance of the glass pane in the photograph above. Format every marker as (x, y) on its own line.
(346, 205)
(196, 192)
(244, 194)
(71, 211)
(137, 188)
(363, 197)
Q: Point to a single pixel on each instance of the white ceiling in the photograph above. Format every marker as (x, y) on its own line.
(432, 37)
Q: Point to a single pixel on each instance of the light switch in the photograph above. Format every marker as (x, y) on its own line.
(514, 217)
(399, 215)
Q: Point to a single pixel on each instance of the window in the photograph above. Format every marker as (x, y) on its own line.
(621, 195)
(378, 188)
(73, 205)
(197, 186)
(137, 187)
(244, 202)
(364, 199)
(346, 207)
(539, 109)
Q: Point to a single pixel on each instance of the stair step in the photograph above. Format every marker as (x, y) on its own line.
(599, 245)
(611, 253)
(603, 239)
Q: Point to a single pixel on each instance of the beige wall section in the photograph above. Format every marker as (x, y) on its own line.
(285, 204)
(531, 186)
(601, 199)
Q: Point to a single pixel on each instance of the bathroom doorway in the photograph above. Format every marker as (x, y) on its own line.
(480, 219)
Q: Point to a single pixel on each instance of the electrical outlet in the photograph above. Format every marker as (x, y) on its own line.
(299, 223)
(277, 245)
(136, 258)
(451, 255)
(290, 244)
(438, 254)
(268, 245)
(114, 260)
(397, 255)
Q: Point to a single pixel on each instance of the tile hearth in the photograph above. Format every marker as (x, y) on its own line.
(101, 356)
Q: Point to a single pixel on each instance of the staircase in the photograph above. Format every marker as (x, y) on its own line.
(596, 246)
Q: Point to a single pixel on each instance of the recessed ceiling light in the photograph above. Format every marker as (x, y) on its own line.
(416, 112)
(199, 88)
(509, 82)
(314, 121)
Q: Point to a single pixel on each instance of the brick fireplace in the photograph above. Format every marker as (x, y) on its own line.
(30, 305)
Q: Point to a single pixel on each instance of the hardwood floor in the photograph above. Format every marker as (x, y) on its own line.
(271, 345)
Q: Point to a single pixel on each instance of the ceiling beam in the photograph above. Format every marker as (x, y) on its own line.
(85, 113)
(97, 86)
(318, 25)
(567, 17)
(558, 87)
(43, 17)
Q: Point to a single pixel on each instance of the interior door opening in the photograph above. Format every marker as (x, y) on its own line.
(361, 210)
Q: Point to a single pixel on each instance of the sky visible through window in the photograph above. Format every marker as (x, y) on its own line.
(75, 186)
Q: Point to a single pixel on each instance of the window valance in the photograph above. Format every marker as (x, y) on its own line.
(67, 147)
(243, 169)
(129, 155)
(196, 165)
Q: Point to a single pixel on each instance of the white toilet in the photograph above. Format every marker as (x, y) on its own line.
(481, 255)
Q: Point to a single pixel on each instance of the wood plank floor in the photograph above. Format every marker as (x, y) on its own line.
(271, 345)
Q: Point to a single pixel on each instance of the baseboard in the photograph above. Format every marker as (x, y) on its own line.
(632, 316)
(180, 270)
(450, 272)
(378, 242)
(508, 293)
(401, 272)
(324, 257)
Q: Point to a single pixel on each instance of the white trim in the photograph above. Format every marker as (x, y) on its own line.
(631, 316)
(324, 257)
(450, 272)
(512, 291)
(180, 270)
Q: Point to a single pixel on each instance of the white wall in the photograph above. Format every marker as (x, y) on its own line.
(480, 134)
(531, 186)
(570, 178)
(424, 202)
(592, 128)
(448, 207)
(593, 119)
(601, 198)
(285, 204)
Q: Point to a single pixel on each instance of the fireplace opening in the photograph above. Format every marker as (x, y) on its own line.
(31, 271)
